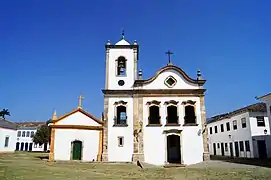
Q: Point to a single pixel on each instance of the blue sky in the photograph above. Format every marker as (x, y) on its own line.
(53, 51)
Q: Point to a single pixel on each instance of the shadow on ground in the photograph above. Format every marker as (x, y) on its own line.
(250, 161)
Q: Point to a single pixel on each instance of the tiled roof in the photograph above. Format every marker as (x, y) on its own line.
(258, 107)
(30, 124)
(7, 124)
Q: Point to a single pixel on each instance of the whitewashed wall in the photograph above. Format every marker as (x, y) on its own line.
(12, 139)
(159, 82)
(116, 153)
(154, 139)
(241, 134)
(112, 71)
(65, 137)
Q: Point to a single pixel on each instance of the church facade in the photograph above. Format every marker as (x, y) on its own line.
(159, 120)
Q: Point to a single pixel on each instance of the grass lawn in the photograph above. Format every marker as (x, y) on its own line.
(28, 166)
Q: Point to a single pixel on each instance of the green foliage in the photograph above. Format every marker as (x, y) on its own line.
(42, 135)
(4, 113)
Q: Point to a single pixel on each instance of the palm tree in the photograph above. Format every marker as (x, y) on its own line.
(4, 113)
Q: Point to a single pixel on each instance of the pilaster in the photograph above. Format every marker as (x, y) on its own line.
(105, 131)
(107, 68)
(52, 145)
(206, 155)
(138, 153)
(135, 64)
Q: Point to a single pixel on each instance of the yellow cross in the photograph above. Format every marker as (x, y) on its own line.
(80, 101)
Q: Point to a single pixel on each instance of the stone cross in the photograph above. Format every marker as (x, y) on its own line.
(80, 101)
(169, 53)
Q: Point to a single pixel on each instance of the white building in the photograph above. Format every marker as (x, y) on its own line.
(159, 120)
(76, 135)
(25, 132)
(267, 100)
(7, 136)
(242, 133)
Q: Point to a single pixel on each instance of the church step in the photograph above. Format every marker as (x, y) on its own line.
(172, 165)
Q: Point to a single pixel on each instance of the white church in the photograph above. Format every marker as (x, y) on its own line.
(159, 120)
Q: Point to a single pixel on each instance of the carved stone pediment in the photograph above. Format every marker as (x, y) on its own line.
(171, 102)
(153, 102)
(189, 102)
(120, 102)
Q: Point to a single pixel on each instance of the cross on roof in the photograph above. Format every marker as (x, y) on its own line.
(80, 98)
(169, 53)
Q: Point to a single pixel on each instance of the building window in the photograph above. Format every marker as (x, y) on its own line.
(120, 141)
(190, 117)
(228, 126)
(241, 144)
(215, 129)
(172, 112)
(32, 134)
(247, 146)
(260, 121)
(154, 112)
(222, 127)
(226, 147)
(243, 121)
(211, 130)
(40, 146)
(23, 135)
(121, 66)
(27, 134)
(19, 133)
(35, 145)
(234, 123)
(6, 141)
(218, 146)
(120, 118)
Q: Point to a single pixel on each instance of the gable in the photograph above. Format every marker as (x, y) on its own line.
(78, 117)
(180, 82)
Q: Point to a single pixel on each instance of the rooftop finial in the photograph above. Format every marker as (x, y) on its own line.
(122, 34)
(54, 116)
(169, 53)
(80, 101)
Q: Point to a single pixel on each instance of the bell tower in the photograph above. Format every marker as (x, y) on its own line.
(121, 64)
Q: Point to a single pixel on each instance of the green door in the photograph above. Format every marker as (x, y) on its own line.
(76, 151)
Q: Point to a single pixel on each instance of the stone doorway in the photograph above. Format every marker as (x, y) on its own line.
(77, 150)
(173, 149)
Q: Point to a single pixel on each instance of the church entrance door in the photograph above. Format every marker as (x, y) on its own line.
(173, 149)
(76, 150)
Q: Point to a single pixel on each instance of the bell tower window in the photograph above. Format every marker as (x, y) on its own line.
(121, 66)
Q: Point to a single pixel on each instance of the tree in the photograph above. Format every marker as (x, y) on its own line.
(4, 113)
(43, 134)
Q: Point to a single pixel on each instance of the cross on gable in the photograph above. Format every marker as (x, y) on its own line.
(169, 53)
(80, 98)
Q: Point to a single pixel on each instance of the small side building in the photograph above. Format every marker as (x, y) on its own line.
(76, 135)
(7, 136)
(244, 133)
(267, 100)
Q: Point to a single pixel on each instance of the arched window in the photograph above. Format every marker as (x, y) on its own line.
(32, 134)
(121, 66)
(19, 134)
(154, 115)
(172, 114)
(23, 135)
(27, 134)
(190, 117)
(120, 118)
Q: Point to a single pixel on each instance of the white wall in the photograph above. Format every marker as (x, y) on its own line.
(258, 130)
(240, 134)
(23, 140)
(159, 82)
(12, 139)
(154, 139)
(113, 78)
(116, 153)
(64, 138)
(78, 118)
